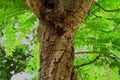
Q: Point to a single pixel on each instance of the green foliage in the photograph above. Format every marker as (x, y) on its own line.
(10, 65)
(101, 29)
(33, 65)
(99, 32)
(17, 27)
(11, 8)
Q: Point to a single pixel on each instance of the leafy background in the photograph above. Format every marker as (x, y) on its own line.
(98, 34)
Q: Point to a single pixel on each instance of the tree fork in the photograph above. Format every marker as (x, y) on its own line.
(59, 21)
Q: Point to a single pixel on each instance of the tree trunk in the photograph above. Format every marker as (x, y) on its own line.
(59, 21)
(57, 54)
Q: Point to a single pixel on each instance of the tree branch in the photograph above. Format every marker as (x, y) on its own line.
(87, 52)
(96, 15)
(100, 16)
(100, 6)
(84, 64)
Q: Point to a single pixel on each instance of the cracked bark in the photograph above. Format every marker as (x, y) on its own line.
(59, 21)
(56, 55)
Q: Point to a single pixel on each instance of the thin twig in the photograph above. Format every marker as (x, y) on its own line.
(100, 6)
(86, 52)
(96, 15)
(84, 64)
(100, 16)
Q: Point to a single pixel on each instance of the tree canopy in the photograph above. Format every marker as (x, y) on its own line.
(96, 42)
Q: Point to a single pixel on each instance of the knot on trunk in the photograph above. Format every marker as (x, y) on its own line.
(50, 4)
(59, 30)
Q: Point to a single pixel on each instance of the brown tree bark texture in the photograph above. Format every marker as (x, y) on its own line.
(59, 20)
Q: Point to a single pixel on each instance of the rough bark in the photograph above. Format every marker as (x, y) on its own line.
(59, 20)
(57, 54)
